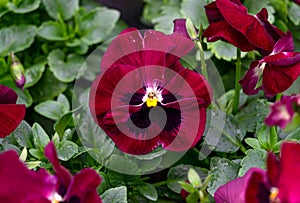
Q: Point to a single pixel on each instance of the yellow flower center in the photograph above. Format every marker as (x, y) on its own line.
(273, 195)
(151, 100)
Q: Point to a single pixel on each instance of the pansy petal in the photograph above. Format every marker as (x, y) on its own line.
(7, 95)
(36, 199)
(64, 176)
(281, 112)
(11, 116)
(273, 169)
(83, 184)
(192, 126)
(250, 80)
(283, 59)
(284, 44)
(285, 76)
(180, 27)
(235, 191)
(18, 182)
(120, 114)
(223, 30)
(248, 25)
(126, 46)
(288, 183)
(213, 13)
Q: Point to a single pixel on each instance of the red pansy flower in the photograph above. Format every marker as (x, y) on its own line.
(20, 185)
(278, 184)
(230, 21)
(11, 114)
(282, 112)
(274, 73)
(145, 98)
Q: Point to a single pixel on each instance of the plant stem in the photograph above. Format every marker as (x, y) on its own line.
(238, 71)
(164, 182)
(273, 130)
(202, 58)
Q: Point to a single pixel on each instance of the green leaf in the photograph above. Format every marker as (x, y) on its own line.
(179, 173)
(253, 158)
(224, 50)
(61, 9)
(253, 115)
(187, 186)
(253, 142)
(23, 155)
(3, 7)
(65, 68)
(192, 198)
(33, 164)
(170, 11)
(23, 135)
(65, 121)
(24, 97)
(194, 178)
(266, 138)
(115, 195)
(225, 136)
(194, 9)
(148, 191)
(92, 30)
(36, 153)
(24, 6)
(64, 101)
(223, 171)
(294, 13)
(47, 88)
(53, 31)
(40, 137)
(34, 74)
(16, 38)
(122, 164)
(66, 150)
(51, 109)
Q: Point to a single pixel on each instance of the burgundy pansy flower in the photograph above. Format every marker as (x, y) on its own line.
(278, 184)
(20, 185)
(297, 1)
(230, 21)
(274, 73)
(11, 114)
(180, 27)
(282, 111)
(145, 98)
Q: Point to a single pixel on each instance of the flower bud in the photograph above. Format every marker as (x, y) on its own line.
(16, 70)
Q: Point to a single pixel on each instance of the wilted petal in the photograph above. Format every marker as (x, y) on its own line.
(63, 175)
(7, 95)
(11, 116)
(288, 183)
(83, 187)
(18, 183)
(242, 189)
(281, 113)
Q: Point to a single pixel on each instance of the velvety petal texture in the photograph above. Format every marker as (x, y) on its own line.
(136, 66)
(18, 183)
(230, 21)
(80, 188)
(238, 189)
(276, 72)
(11, 114)
(180, 27)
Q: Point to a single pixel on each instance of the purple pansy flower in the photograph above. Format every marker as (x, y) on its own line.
(282, 111)
(230, 21)
(20, 185)
(278, 184)
(11, 114)
(143, 84)
(274, 73)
